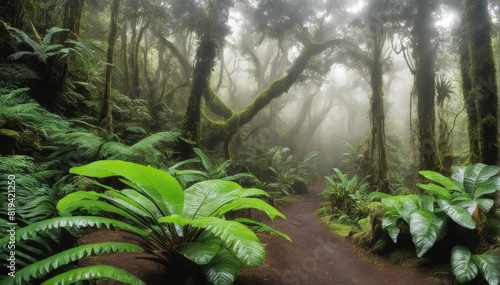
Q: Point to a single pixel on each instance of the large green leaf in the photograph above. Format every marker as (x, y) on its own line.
(69, 222)
(426, 202)
(426, 228)
(458, 214)
(477, 174)
(94, 272)
(490, 187)
(485, 204)
(462, 265)
(489, 265)
(157, 184)
(87, 200)
(261, 227)
(249, 203)
(389, 224)
(222, 269)
(204, 198)
(436, 189)
(439, 178)
(238, 238)
(203, 250)
(43, 267)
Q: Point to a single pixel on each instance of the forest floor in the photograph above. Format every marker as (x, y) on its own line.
(316, 255)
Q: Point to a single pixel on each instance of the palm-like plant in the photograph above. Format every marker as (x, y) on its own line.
(288, 175)
(206, 170)
(49, 59)
(185, 229)
(45, 51)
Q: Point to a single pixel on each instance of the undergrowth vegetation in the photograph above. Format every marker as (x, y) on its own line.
(185, 229)
(451, 221)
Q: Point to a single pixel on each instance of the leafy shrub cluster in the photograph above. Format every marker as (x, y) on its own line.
(287, 175)
(185, 229)
(453, 210)
(450, 221)
(345, 198)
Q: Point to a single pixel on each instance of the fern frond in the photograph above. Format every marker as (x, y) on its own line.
(43, 267)
(23, 37)
(33, 229)
(94, 272)
(47, 39)
(239, 239)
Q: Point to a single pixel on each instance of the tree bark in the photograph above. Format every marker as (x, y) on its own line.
(377, 112)
(73, 15)
(470, 105)
(483, 78)
(106, 117)
(425, 33)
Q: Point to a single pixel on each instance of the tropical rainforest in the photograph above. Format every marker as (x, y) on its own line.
(186, 127)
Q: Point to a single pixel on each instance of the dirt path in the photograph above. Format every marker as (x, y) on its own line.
(318, 257)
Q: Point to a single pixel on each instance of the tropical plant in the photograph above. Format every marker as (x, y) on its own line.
(346, 196)
(35, 200)
(82, 146)
(466, 266)
(463, 200)
(205, 170)
(288, 175)
(185, 229)
(44, 50)
(26, 120)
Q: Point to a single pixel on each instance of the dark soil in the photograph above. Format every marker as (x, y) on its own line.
(316, 256)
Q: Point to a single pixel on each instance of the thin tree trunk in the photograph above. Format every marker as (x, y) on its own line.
(73, 15)
(378, 143)
(425, 76)
(126, 69)
(106, 117)
(469, 101)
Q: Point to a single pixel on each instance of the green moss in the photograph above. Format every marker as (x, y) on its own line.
(338, 228)
(9, 133)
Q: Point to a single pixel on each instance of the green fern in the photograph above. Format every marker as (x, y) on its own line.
(201, 168)
(18, 109)
(98, 272)
(41, 268)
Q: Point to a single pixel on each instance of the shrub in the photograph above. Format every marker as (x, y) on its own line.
(185, 229)
(448, 205)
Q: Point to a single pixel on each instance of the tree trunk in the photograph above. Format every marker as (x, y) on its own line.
(126, 69)
(378, 141)
(470, 105)
(73, 16)
(425, 33)
(483, 78)
(105, 117)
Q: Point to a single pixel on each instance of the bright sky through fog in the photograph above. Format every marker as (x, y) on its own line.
(357, 7)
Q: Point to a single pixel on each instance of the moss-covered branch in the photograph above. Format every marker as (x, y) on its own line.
(183, 61)
(218, 131)
(216, 105)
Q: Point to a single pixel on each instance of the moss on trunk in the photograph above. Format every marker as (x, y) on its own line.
(483, 79)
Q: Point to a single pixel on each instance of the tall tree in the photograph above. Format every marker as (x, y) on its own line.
(106, 117)
(73, 15)
(425, 34)
(470, 104)
(377, 112)
(483, 78)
